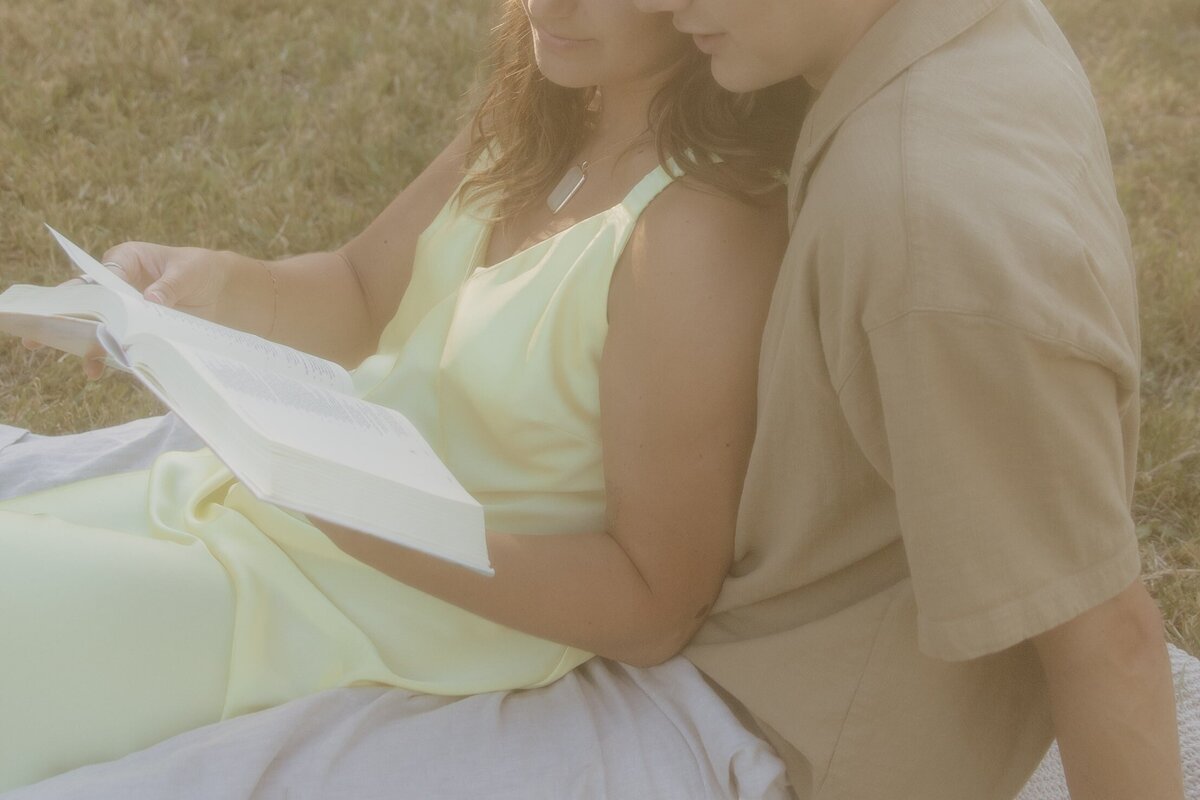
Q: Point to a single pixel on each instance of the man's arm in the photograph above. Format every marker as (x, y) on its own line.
(1113, 702)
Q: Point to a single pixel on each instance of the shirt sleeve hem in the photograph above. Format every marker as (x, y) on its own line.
(996, 629)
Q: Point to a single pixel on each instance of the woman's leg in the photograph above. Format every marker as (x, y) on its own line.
(112, 640)
(129, 614)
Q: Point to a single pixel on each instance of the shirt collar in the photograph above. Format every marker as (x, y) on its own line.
(909, 30)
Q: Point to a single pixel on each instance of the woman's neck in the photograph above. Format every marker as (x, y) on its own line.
(625, 110)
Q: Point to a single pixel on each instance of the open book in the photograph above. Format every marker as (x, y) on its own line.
(286, 423)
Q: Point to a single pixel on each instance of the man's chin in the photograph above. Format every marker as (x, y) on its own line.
(735, 76)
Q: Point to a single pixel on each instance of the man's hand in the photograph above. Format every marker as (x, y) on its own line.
(1113, 701)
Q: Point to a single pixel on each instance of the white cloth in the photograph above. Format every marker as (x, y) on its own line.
(9, 434)
(604, 731)
(30, 462)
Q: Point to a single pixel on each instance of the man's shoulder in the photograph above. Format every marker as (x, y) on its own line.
(977, 180)
(1005, 104)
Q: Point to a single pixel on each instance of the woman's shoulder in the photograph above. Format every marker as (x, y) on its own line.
(699, 253)
(696, 228)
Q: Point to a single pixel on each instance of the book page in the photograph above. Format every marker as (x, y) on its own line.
(246, 347)
(317, 452)
(92, 268)
(337, 427)
(68, 334)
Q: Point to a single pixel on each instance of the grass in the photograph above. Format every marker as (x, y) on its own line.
(273, 128)
(269, 127)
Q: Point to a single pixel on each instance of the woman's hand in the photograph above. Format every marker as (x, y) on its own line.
(189, 279)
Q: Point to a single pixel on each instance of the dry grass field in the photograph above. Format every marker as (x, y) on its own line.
(275, 127)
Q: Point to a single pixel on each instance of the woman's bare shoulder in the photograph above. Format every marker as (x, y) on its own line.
(687, 199)
(698, 259)
(695, 245)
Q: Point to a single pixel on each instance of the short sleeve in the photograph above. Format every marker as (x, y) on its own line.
(1011, 456)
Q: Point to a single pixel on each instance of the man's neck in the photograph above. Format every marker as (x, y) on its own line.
(853, 20)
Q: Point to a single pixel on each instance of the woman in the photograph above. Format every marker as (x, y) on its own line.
(587, 370)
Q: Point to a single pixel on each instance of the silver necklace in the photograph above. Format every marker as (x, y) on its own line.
(575, 177)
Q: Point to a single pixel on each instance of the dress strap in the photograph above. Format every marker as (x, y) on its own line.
(648, 188)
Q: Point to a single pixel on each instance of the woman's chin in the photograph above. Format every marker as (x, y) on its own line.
(567, 78)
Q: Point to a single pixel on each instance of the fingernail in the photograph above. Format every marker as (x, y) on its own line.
(156, 297)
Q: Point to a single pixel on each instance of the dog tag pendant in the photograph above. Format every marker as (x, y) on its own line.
(567, 187)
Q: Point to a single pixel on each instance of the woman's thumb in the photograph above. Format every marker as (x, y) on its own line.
(161, 292)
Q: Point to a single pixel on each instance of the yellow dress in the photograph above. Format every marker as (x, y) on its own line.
(137, 606)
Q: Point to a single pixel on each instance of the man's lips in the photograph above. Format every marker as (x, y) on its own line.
(708, 42)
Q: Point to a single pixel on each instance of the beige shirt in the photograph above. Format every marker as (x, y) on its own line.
(947, 413)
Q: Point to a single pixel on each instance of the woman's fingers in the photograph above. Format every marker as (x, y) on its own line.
(118, 270)
(164, 275)
(93, 360)
(93, 364)
(170, 276)
(137, 263)
(163, 292)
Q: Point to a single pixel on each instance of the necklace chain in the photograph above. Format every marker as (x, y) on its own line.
(612, 151)
(576, 175)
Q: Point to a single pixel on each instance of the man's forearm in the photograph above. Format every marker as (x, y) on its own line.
(1113, 702)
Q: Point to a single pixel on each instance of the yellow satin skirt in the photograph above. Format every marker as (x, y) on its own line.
(137, 606)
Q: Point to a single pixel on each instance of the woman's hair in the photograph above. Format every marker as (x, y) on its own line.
(740, 144)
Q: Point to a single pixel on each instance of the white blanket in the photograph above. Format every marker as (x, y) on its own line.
(604, 731)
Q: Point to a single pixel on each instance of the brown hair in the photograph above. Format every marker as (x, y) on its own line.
(740, 144)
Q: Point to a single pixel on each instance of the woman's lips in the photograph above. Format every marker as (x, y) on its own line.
(558, 42)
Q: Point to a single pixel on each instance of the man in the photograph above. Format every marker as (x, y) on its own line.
(936, 569)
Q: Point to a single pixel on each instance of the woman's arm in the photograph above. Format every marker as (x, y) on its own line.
(687, 306)
(332, 304)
